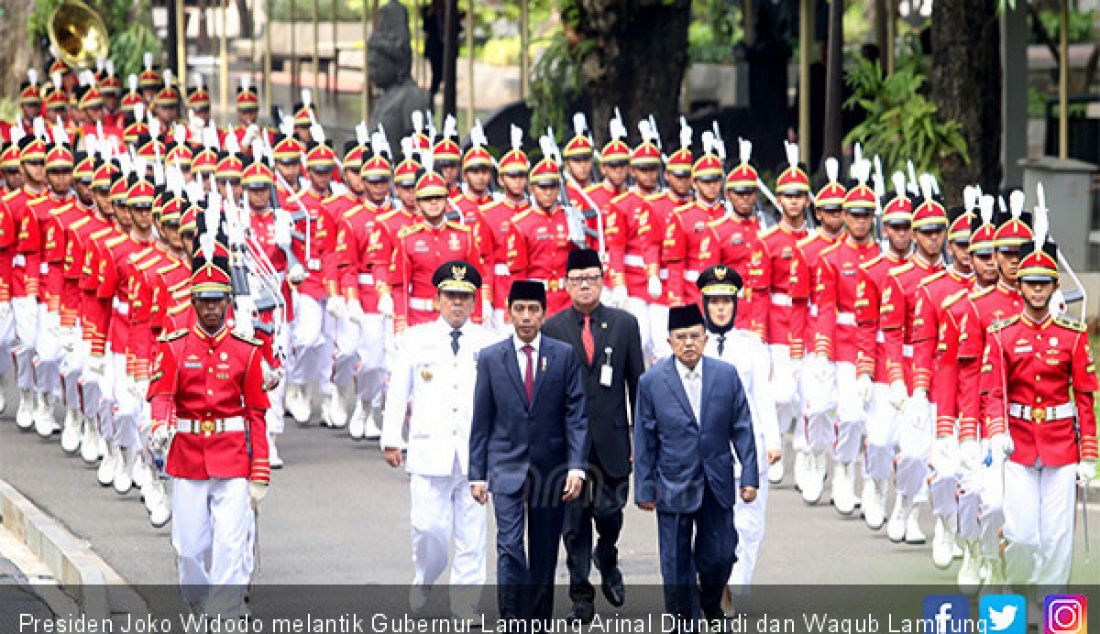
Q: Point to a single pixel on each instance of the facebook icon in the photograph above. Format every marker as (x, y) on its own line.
(947, 614)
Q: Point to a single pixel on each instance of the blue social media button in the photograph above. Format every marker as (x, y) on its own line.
(947, 614)
(1003, 613)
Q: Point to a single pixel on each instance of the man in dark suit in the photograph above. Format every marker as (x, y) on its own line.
(691, 409)
(527, 446)
(610, 349)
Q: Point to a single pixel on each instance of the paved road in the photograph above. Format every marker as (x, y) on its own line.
(338, 514)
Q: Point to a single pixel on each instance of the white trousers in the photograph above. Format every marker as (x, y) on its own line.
(914, 445)
(748, 520)
(1039, 524)
(640, 309)
(48, 353)
(7, 340)
(819, 399)
(442, 508)
(345, 350)
(211, 526)
(371, 373)
(25, 316)
(311, 343)
(851, 414)
(658, 332)
(882, 434)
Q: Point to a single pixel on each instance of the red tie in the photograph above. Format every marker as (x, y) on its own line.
(586, 339)
(529, 377)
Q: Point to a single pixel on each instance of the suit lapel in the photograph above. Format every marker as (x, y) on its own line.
(676, 386)
(599, 333)
(543, 362)
(708, 385)
(574, 331)
(511, 365)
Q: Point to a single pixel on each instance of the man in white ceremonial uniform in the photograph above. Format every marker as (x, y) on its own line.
(745, 350)
(433, 376)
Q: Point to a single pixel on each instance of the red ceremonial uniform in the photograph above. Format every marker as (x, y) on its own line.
(209, 380)
(602, 194)
(381, 252)
(664, 205)
(842, 307)
(689, 242)
(740, 247)
(421, 249)
(1032, 367)
(321, 264)
(932, 292)
(790, 287)
(639, 257)
(538, 248)
(23, 283)
(498, 217)
(42, 244)
(357, 230)
(812, 247)
(874, 274)
(898, 316)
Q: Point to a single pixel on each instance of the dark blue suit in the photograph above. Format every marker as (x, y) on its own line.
(524, 450)
(685, 467)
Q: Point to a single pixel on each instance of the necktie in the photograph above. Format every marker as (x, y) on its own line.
(694, 393)
(529, 376)
(455, 334)
(721, 343)
(586, 339)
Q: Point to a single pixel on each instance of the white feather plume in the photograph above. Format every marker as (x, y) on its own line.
(914, 183)
(418, 121)
(380, 143)
(154, 126)
(792, 153)
(926, 186)
(139, 111)
(110, 68)
(406, 146)
(970, 197)
(1016, 203)
(286, 124)
(132, 82)
(32, 76)
(427, 159)
(861, 171)
(173, 180)
(307, 98)
(246, 82)
(60, 135)
(985, 205)
(899, 184)
(140, 166)
(362, 134)
(645, 131)
(100, 62)
(210, 137)
(147, 60)
(56, 78)
(198, 80)
(1002, 205)
(580, 123)
(38, 126)
(832, 169)
(877, 178)
(685, 133)
(615, 127)
(708, 142)
(719, 147)
(179, 133)
(158, 173)
(516, 136)
(91, 144)
(546, 144)
(1040, 223)
(125, 166)
(86, 78)
(169, 77)
(194, 188)
(477, 135)
(857, 153)
(429, 127)
(450, 127)
(744, 150)
(231, 144)
(17, 130)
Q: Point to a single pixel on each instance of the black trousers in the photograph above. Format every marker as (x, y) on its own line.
(600, 504)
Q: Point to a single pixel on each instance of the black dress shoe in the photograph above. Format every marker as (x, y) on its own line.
(581, 611)
(611, 582)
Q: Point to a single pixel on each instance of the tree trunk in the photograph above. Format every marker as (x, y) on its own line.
(16, 54)
(632, 54)
(834, 71)
(245, 14)
(966, 85)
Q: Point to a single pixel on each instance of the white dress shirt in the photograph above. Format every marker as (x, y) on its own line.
(521, 356)
(693, 385)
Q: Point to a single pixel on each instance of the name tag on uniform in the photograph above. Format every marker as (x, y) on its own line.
(193, 365)
(606, 373)
(1022, 349)
(314, 264)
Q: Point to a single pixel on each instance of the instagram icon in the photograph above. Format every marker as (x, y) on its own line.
(1065, 614)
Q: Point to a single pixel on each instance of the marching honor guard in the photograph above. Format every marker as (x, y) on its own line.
(664, 204)
(688, 243)
(208, 410)
(433, 376)
(606, 341)
(513, 171)
(743, 349)
(1045, 437)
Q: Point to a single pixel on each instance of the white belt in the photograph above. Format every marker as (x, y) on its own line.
(691, 276)
(781, 299)
(846, 319)
(880, 337)
(209, 426)
(1042, 414)
(19, 260)
(122, 307)
(417, 303)
(314, 264)
(664, 274)
(501, 270)
(44, 268)
(634, 260)
(366, 279)
(907, 350)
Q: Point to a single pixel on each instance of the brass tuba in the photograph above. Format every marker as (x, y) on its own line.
(78, 34)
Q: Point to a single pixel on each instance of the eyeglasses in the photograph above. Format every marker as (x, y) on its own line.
(580, 280)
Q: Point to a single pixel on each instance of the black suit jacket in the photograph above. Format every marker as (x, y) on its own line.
(608, 418)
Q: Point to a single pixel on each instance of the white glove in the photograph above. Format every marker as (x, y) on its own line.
(355, 312)
(864, 387)
(917, 409)
(160, 440)
(385, 304)
(619, 296)
(1086, 471)
(1001, 446)
(256, 493)
(243, 327)
(272, 377)
(282, 233)
(70, 338)
(486, 311)
(654, 287)
(250, 135)
(336, 307)
(139, 388)
(297, 274)
(5, 310)
(945, 455)
(898, 394)
(970, 454)
(95, 366)
(820, 373)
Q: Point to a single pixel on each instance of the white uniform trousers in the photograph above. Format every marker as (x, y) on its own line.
(48, 353)
(991, 513)
(658, 332)
(882, 434)
(914, 446)
(371, 373)
(1039, 522)
(851, 414)
(7, 340)
(640, 309)
(788, 408)
(748, 520)
(820, 403)
(310, 344)
(25, 317)
(211, 525)
(345, 350)
(442, 507)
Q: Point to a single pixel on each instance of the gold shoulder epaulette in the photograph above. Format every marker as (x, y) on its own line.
(681, 208)
(807, 240)
(389, 214)
(769, 231)
(172, 336)
(932, 278)
(832, 247)
(955, 297)
(866, 266)
(516, 217)
(1001, 324)
(620, 197)
(409, 230)
(251, 340)
(458, 225)
(981, 292)
(1071, 324)
(901, 268)
(12, 194)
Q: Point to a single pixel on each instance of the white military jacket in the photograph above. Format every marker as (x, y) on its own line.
(746, 352)
(436, 388)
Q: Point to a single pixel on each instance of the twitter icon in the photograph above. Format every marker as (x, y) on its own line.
(1003, 613)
